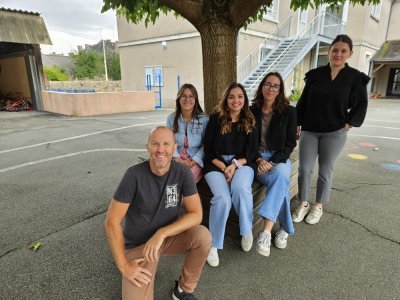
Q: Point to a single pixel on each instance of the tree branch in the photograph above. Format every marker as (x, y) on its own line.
(241, 10)
(191, 10)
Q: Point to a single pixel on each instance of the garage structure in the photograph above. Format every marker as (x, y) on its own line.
(21, 69)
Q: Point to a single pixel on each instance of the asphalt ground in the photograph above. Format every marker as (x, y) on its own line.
(58, 174)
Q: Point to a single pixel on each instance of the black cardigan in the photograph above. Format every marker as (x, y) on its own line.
(281, 132)
(326, 105)
(236, 143)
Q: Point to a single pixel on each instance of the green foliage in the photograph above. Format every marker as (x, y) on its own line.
(88, 64)
(149, 10)
(56, 73)
(295, 95)
(113, 66)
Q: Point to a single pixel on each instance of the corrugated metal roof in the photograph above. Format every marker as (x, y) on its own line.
(17, 26)
(389, 52)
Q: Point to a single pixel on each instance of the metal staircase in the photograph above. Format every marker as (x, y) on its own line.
(288, 51)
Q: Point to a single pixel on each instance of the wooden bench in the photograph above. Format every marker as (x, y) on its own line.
(259, 192)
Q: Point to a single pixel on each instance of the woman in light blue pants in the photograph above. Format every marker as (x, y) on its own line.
(276, 205)
(238, 193)
(276, 123)
(231, 147)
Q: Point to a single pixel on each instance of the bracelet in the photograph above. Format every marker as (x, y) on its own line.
(237, 163)
(272, 163)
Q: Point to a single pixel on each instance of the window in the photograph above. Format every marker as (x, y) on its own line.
(303, 16)
(153, 76)
(272, 11)
(323, 60)
(376, 11)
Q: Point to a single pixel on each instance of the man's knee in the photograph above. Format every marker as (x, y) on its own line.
(201, 234)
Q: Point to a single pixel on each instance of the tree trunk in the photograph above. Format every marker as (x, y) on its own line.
(218, 41)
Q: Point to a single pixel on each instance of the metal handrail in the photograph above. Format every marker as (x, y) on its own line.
(274, 35)
(320, 29)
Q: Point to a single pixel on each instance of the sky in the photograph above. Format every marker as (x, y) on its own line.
(70, 22)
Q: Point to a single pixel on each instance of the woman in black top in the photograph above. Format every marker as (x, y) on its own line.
(230, 146)
(334, 99)
(276, 126)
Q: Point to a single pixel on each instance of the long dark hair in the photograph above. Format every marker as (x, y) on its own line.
(246, 118)
(280, 103)
(197, 111)
(344, 38)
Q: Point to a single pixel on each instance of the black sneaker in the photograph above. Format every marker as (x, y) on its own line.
(176, 295)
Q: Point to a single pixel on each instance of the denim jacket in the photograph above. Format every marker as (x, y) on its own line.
(195, 132)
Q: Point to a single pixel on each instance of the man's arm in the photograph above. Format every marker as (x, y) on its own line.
(192, 217)
(129, 269)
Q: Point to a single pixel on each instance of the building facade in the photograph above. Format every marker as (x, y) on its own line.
(167, 54)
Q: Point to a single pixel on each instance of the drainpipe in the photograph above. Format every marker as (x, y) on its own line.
(390, 18)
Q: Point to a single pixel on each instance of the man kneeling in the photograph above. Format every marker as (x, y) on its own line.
(149, 198)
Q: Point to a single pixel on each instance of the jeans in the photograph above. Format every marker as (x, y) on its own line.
(238, 193)
(276, 205)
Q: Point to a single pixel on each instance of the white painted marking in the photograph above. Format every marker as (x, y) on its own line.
(35, 162)
(78, 137)
(385, 121)
(395, 128)
(375, 136)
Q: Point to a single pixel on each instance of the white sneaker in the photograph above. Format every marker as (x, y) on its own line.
(247, 242)
(280, 240)
(264, 243)
(213, 259)
(300, 212)
(314, 215)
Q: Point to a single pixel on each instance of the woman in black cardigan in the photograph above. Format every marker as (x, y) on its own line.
(230, 146)
(334, 99)
(276, 124)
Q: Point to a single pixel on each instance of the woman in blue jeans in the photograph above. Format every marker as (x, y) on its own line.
(276, 123)
(230, 146)
(188, 123)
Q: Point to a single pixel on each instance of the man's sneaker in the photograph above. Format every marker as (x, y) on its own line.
(314, 215)
(300, 212)
(264, 243)
(280, 240)
(177, 295)
(247, 242)
(213, 259)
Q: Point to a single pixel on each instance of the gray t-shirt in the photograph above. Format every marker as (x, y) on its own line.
(155, 201)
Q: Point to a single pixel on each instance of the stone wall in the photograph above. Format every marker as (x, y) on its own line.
(99, 86)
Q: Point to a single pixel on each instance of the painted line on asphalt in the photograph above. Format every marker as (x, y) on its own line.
(376, 136)
(395, 128)
(79, 136)
(385, 121)
(35, 162)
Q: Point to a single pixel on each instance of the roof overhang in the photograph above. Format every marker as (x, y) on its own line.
(388, 53)
(23, 27)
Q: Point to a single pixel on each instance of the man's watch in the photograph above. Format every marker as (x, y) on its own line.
(237, 163)
(272, 163)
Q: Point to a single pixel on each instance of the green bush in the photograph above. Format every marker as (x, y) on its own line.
(56, 73)
(295, 95)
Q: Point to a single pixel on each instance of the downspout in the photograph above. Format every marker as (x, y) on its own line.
(390, 18)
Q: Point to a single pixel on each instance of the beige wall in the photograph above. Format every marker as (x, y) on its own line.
(394, 23)
(97, 103)
(164, 26)
(13, 76)
(181, 57)
(362, 28)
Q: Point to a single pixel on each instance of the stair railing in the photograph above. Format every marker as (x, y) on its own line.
(325, 24)
(247, 64)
